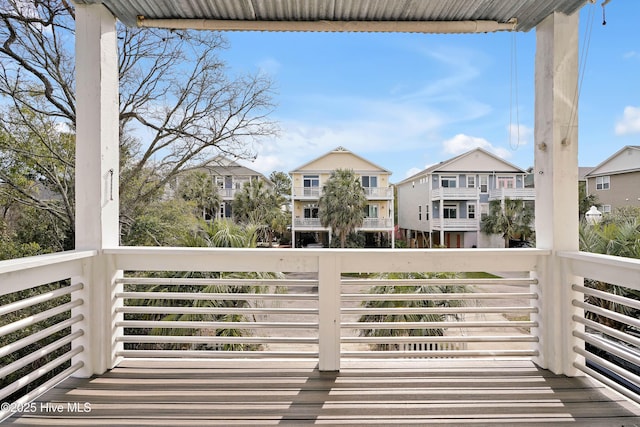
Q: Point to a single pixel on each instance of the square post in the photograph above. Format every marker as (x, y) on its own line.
(97, 177)
(329, 301)
(556, 183)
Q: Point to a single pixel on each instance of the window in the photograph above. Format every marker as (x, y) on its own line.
(506, 182)
(311, 211)
(484, 183)
(448, 181)
(371, 211)
(471, 181)
(603, 182)
(471, 211)
(484, 210)
(419, 213)
(450, 211)
(426, 212)
(311, 184)
(369, 181)
(606, 208)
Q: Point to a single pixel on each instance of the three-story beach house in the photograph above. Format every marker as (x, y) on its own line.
(307, 182)
(443, 204)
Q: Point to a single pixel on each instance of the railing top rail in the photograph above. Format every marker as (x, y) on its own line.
(606, 268)
(26, 263)
(308, 260)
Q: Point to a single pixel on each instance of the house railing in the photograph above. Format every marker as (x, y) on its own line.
(607, 324)
(455, 193)
(512, 193)
(379, 192)
(42, 326)
(367, 224)
(458, 224)
(324, 304)
(373, 193)
(307, 192)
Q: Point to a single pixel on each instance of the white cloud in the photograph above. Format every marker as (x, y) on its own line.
(631, 54)
(412, 172)
(269, 66)
(630, 122)
(361, 125)
(462, 143)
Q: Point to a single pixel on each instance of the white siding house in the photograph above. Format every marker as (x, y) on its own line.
(443, 204)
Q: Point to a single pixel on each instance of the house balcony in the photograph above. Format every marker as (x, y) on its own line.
(185, 335)
(512, 193)
(455, 194)
(302, 224)
(454, 224)
(369, 224)
(314, 193)
(379, 193)
(306, 193)
(227, 193)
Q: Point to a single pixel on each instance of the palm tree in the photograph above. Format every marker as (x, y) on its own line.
(258, 204)
(341, 206)
(509, 218)
(618, 235)
(409, 317)
(218, 233)
(198, 187)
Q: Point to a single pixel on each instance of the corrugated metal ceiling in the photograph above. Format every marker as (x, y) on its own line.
(528, 13)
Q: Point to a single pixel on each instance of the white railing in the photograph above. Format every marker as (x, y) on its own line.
(307, 192)
(41, 326)
(455, 193)
(321, 317)
(608, 327)
(227, 193)
(373, 193)
(379, 192)
(512, 193)
(311, 223)
(456, 224)
(377, 224)
(367, 224)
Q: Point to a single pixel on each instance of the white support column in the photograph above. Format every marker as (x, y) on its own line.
(97, 177)
(329, 306)
(556, 183)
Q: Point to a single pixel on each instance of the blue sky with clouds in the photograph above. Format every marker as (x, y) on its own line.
(407, 101)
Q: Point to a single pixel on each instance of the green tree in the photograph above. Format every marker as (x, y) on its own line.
(585, 201)
(162, 223)
(618, 235)
(217, 233)
(341, 205)
(409, 288)
(198, 187)
(258, 204)
(511, 218)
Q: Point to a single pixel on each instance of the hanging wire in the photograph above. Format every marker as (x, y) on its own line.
(582, 63)
(513, 93)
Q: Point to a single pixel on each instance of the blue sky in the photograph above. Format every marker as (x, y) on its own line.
(407, 101)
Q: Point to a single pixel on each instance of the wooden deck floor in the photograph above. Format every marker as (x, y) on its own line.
(362, 393)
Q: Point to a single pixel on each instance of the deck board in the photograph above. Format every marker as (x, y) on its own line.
(149, 393)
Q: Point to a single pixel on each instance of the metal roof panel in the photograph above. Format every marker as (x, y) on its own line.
(528, 13)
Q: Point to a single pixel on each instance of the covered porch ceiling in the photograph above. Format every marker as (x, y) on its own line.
(428, 16)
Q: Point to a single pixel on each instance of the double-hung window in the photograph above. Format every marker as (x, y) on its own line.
(603, 182)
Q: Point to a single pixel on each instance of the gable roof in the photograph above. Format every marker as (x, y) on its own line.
(617, 163)
(431, 16)
(221, 165)
(456, 164)
(340, 150)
